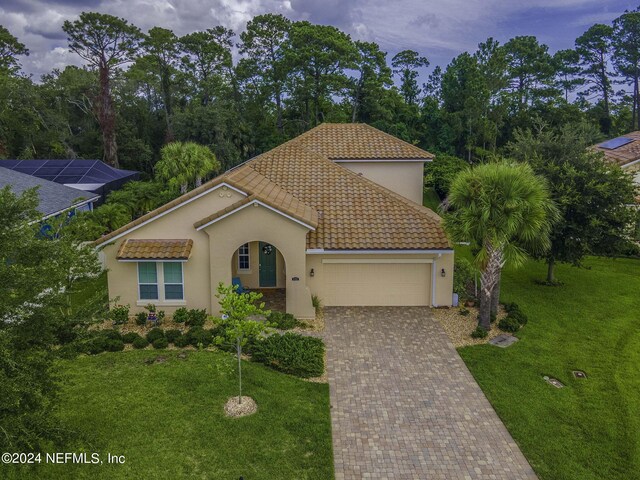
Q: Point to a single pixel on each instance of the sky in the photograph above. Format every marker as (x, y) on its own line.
(438, 29)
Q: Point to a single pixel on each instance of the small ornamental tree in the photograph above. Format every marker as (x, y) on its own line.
(236, 309)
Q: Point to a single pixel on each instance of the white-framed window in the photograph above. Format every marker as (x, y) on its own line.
(173, 281)
(148, 281)
(160, 281)
(243, 257)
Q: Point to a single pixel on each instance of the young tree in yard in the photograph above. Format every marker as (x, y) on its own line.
(40, 295)
(592, 195)
(236, 309)
(105, 42)
(504, 210)
(184, 164)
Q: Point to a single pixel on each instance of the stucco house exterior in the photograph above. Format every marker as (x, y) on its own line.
(335, 212)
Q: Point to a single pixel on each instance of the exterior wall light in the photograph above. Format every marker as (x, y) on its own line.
(312, 273)
(443, 273)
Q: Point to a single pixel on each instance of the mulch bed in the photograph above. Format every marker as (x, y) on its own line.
(459, 327)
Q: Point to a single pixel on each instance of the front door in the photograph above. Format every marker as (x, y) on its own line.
(267, 265)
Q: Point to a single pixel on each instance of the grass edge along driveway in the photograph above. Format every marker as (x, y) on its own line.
(591, 428)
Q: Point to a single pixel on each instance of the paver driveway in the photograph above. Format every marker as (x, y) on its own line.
(404, 404)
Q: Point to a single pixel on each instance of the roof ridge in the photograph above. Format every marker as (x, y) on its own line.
(362, 179)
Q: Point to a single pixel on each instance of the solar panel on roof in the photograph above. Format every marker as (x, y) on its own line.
(615, 143)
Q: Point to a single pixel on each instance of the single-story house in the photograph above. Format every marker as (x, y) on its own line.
(335, 212)
(625, 152)
(55, 199)
(92, 176)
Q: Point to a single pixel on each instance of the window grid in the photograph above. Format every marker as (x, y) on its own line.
(160, 281)
(243, 257)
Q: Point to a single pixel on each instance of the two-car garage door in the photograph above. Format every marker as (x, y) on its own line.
(388, 282)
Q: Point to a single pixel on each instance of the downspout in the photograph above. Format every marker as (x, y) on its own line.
(434, 269)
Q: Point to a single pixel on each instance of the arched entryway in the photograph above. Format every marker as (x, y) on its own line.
(260, 266)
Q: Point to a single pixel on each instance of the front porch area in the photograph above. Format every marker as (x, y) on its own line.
(275, 299)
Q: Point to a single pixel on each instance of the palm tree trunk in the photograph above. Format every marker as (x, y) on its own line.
(551, 266)
(488, 279)
(495, 297)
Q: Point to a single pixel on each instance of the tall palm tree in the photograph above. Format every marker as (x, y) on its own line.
(184, 164)
(505, 211)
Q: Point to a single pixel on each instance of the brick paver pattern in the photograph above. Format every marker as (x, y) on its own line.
(404, 405)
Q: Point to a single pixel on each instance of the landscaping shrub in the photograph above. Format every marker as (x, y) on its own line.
(317, 303)
(463, 278)
(140, 342)
(172, 335)
(160, 314)
(119, 314)
(511, 307)
(95, 344)
(518, 316)
(181, 315)
(196, 318)
(113, 345)
(111, 334)
(161, 342)
(67, 333)
(479, 332)
(292, 353)
(154, 334)
(283, 321)
(182, 341)
(130, 337)
(198, 335)
(509, 324)
(141, 318)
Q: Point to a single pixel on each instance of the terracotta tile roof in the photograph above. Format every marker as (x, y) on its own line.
(348, 211)
(357, 141)
(353, 212)
(134, 249)
(626, 153)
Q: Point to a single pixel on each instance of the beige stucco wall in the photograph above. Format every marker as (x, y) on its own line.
(123, 276)
(443, 285)
(251, 278)
(257, 223)
(405, 178)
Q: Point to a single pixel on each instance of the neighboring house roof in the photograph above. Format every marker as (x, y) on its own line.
(348, 211)
(134, 249)
(358, 141)
(623, 150)
(89, 175)
(54, 198)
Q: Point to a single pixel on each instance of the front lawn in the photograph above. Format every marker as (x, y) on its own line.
(167, 419)
(591, 428)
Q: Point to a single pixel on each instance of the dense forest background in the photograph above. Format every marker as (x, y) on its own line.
(244, 94)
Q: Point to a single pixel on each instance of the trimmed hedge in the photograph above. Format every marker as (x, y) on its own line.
(172, 335)
(509, 324)
(130, 337)
(140, 342)
(283, 321)
(198, 335)
(196, 318)
(160, 343)
(292, 353)
(479, 332)
(154, 334)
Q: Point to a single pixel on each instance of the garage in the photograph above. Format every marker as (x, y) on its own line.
(384, 282)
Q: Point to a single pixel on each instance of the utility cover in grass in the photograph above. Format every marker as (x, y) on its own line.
(503, 341)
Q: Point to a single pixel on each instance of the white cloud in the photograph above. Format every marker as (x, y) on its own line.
(440, 28)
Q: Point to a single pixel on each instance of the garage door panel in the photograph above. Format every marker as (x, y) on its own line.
(377, 284)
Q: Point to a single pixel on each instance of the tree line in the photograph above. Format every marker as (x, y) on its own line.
(139, 91)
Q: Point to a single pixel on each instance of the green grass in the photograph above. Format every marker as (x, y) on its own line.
(431, 199)
(591, 428)
(167, 419)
